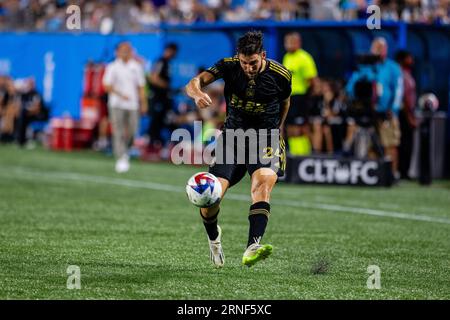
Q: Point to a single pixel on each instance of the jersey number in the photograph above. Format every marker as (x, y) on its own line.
(268, 153)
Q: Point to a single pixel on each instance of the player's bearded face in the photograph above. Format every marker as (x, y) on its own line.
(251, 65)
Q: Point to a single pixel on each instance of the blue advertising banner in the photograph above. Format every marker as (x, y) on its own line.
(57, 60)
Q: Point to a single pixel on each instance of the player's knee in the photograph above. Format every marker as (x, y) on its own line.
(261, 191)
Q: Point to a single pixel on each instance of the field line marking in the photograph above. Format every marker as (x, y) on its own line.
(238, 197)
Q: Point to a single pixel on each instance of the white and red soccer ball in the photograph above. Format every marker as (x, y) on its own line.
(204, 189)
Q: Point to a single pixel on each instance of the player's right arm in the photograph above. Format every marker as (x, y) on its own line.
(194, 89)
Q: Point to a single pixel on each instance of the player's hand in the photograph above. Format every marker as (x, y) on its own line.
(203, 100)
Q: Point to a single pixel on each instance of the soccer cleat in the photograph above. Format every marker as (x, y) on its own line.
(256, 252)
(122, 164)
(215, 250)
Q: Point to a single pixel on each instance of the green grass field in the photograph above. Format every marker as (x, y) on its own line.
(136, 236)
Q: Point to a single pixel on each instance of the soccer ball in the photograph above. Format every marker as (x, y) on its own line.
(204, 190)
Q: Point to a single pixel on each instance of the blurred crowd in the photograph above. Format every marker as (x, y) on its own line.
(370, 115)
(327, 116)
(20, 106)
(145, 15)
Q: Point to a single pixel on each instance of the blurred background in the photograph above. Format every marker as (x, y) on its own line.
(51, 90)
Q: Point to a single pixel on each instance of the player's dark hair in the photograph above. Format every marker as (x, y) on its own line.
(250, 43)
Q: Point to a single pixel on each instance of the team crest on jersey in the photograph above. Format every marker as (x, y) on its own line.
(250, 93)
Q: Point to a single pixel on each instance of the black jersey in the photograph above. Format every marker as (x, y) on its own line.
(253, 103)
(162, 68)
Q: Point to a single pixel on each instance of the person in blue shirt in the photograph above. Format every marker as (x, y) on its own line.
(388, 93)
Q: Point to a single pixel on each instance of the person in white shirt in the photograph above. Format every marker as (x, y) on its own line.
(124, 80)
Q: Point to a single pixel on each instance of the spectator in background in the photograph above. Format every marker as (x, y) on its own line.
(122, 17)
(389, 93)
(32, 109)
(376, 91)
(264, 10)
(304, 72)
(285, 10)
(13, 14)
(9, 110)
(322, 98)
(407, 118)
(3, 88)
(335, 113)
(160, 101)
(362, 96)
(148, 17)
(124, 80)
(325, 10)
(143, 15)
(315, 118)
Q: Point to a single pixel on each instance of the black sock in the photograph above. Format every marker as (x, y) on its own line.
(211, 225)
(258, 217)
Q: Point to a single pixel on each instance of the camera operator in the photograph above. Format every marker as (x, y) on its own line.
(385, 94)
(361, 115)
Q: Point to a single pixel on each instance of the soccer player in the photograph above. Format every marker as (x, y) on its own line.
(257, 93)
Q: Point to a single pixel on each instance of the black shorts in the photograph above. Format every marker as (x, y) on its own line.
(239, 152)
(298, 113)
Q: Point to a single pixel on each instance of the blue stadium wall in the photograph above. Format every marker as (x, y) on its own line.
(59, 58)
(56, 60)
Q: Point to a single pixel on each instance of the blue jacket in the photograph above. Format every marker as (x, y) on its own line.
(389, 80)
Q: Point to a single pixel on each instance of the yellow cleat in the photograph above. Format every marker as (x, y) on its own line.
(256, 252)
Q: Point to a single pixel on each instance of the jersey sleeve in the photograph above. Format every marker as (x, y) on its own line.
(222, 67)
